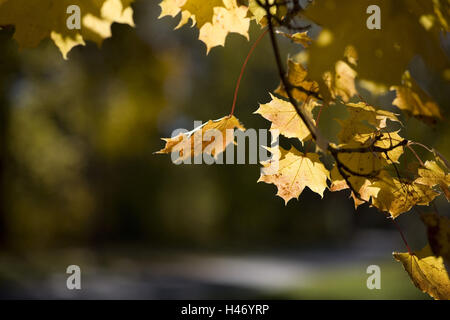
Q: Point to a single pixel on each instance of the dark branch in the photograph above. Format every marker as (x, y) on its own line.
(286, 84)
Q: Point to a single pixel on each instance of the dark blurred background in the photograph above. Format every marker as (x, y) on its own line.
(80, 183)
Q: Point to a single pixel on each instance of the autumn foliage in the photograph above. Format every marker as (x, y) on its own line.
(365, 159)
(368, 151)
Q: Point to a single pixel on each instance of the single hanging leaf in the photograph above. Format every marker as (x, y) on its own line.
(284, 118)
(192, 144)
(433, 175)
(396, 196)
(415, 102)
(427, 272)
(214, 18)
(35, 20)
(438, 232)
(296, 171)
(296, 75)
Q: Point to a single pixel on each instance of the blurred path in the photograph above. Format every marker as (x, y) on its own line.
(203, 276)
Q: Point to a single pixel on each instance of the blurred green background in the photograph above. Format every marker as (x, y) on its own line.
(80, 183)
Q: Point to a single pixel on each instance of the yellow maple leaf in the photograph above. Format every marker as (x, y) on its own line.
(396, 196)
(385, 140)
(354, 128)
(361, 163)
(389, 140)
(414, 101)
(35, 20)
(296, 75)
(211, 138)
(427, 272)
(214, 18)
(285, 119)
(433, 175)
(296, 171)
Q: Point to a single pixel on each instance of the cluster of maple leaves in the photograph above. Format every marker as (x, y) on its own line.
(369, 147)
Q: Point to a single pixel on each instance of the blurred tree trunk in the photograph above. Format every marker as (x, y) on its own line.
(7, 67)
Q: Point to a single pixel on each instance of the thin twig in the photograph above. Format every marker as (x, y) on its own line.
(432, 150)
(236, 90)
(415, 154)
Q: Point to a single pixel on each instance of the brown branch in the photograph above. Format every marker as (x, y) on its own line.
(286, 84)
(371, 148)
(307, 92)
